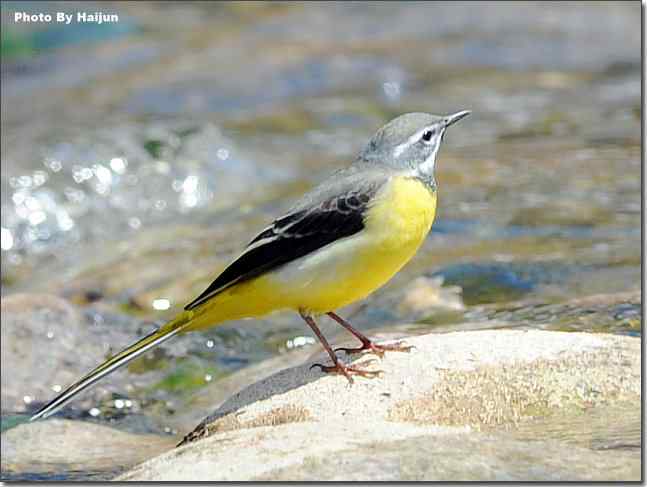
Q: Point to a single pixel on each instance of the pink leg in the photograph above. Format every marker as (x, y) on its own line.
(367, 343)
(338, 366)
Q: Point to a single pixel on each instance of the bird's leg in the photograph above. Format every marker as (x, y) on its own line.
(367, 343)
(338, 366)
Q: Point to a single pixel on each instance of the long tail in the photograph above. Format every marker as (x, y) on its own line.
(159, 336)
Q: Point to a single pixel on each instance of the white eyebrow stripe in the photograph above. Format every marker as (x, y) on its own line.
(399, 149)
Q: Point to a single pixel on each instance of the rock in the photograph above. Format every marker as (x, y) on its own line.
(462, 457)
(497, 404)
(425, 294)
(61, 447)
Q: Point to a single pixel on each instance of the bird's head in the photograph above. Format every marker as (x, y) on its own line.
(410, 142)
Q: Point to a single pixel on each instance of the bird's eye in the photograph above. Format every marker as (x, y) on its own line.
(427, 135)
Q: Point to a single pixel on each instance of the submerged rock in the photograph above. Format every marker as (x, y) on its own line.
(427, 294)
(73, 449)
(47, 343)
(461, 406)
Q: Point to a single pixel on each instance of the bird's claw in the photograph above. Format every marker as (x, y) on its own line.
(378, 350)
(349, 370)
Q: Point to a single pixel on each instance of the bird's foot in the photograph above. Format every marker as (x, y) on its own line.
(378, 350)
(349, 370)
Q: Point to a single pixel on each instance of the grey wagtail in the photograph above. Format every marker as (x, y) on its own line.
(339, 243)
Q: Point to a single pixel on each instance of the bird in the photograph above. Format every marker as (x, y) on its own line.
(341, 241)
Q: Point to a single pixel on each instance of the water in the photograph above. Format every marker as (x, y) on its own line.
(138, 159)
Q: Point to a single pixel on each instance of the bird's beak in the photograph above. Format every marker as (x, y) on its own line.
(455, 117)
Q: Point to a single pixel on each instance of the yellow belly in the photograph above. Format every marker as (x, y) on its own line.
(342, 272)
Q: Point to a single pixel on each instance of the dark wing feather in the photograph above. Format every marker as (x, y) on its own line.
(295, 235)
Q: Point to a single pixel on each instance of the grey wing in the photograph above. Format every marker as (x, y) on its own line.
(324, 216)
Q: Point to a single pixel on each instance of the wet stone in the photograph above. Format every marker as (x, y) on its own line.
(48, 450)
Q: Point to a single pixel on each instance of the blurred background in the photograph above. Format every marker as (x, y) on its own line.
(138, 157)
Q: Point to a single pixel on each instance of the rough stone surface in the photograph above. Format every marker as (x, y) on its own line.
(463, 457)
(526, 391)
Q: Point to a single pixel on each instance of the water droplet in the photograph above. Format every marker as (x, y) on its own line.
(189, 200)
(391, 90)
(161, 304)
(19, 197)
(74, 195)
(134, 223)
(223, 154)
(299, 341)
(24, 181)
(103, 174)
(190, 184)
(32, 204)
(63, 219)
(80, 174)
(53, 165)
(6, 239)
(39, 178)
(37, 217)
(102, 188)
(118, 165)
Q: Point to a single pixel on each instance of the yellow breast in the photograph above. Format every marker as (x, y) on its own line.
(402, 216)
